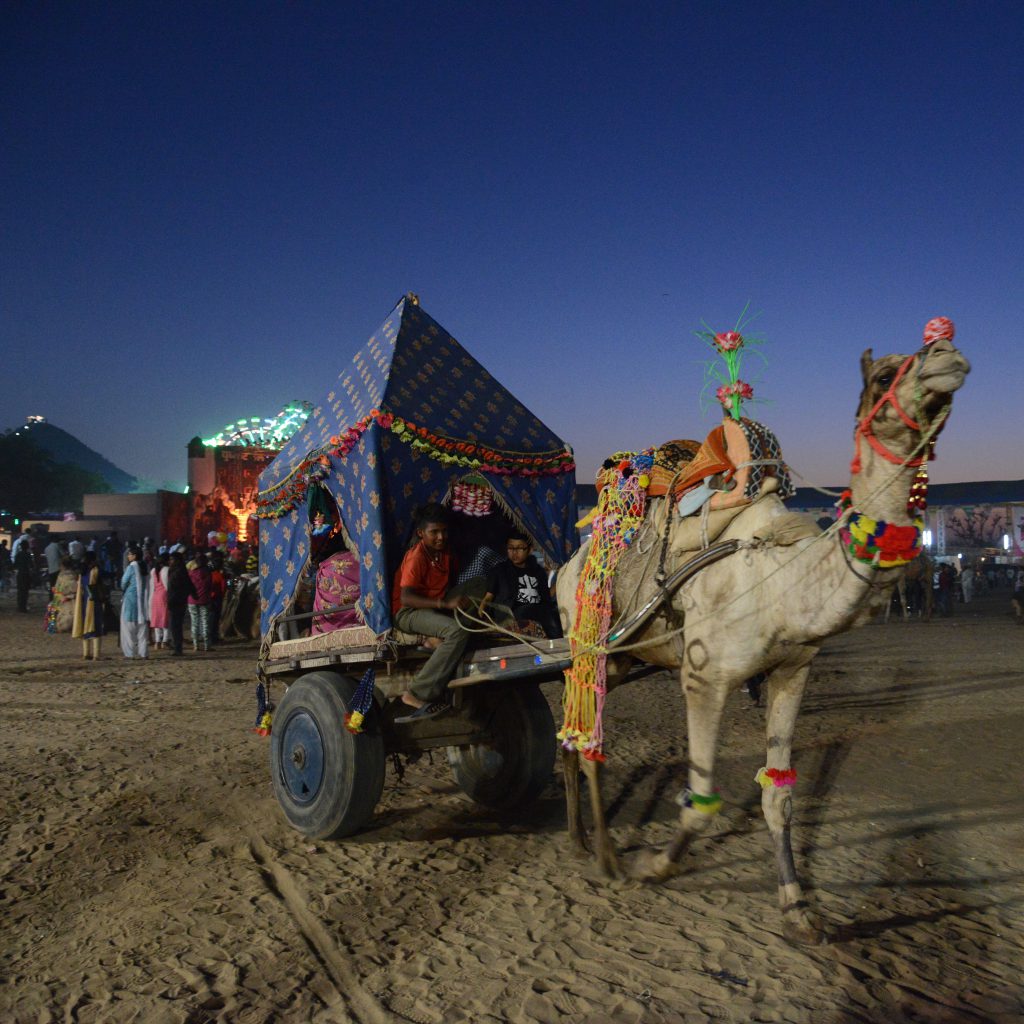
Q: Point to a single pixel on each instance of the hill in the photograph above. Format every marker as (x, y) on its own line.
(66, 448)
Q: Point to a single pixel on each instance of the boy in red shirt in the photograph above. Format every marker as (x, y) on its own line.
(423, 602)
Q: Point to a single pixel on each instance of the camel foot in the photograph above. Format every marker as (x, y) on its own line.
(578, 847)
(799, 928)
(607, 860)
(653, 866)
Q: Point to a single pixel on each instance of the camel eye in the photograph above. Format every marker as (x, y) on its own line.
(885, 380)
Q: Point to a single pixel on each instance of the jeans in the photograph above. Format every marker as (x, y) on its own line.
(176, 618)
(432, 680)
(214, 627)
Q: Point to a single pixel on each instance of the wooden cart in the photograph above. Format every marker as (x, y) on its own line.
(499, 735)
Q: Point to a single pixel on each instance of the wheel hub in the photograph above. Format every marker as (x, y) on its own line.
(302, 757)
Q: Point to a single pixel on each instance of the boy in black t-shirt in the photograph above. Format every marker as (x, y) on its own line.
(520, 584)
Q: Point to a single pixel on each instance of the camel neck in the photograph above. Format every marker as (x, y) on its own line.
(881, 489)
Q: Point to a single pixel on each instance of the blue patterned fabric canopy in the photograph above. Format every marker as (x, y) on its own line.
(411, 415)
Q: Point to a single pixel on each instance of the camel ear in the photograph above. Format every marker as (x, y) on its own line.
(866, 361)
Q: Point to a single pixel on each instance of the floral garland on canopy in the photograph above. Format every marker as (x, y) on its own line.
(283, 497)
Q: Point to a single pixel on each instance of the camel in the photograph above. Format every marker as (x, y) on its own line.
(765, 608)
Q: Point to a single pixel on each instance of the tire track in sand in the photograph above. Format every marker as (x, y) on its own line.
(345, 981)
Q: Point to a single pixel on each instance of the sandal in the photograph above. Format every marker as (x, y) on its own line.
(431, 710)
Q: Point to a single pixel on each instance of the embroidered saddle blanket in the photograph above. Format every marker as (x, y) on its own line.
(736, 457)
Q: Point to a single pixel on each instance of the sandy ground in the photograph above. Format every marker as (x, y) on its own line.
(147, 874)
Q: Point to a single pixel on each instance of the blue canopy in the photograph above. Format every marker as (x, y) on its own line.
(412, 415)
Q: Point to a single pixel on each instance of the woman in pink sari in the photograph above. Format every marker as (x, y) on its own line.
(158, 603)
(337, 583)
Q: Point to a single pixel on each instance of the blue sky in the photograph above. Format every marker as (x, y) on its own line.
(205, 209)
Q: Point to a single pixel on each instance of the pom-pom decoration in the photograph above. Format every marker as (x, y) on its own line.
(704, 804)
(264, 707)
(778, 777)
(362, 702)
(730, 347)
(937, 328)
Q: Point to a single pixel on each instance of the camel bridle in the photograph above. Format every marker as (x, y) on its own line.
(865, 425)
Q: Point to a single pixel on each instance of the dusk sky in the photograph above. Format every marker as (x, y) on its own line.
(206, 209)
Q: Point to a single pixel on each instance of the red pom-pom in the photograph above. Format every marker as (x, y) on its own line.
(938, 327)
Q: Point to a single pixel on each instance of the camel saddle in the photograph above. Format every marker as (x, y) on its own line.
(734, 459)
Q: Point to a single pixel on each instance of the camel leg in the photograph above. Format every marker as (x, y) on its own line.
(571, 771)
(606, 858)
(901, 586)
(705, 699)
(785, 690)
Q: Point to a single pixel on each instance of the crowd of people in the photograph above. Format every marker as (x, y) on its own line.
(160, 586)
(163, 585)
(952, 585)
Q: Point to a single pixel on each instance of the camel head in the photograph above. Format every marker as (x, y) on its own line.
(905, 396)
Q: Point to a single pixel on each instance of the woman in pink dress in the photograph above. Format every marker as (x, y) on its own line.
(337, 583)
(158, 603)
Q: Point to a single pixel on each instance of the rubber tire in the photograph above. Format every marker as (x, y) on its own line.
(353, 765)
(515, 768)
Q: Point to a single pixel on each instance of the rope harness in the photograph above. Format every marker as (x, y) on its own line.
(864, 427)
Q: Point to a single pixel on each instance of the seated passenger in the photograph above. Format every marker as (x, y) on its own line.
(337, 583)
(423, 601)
(519, 583)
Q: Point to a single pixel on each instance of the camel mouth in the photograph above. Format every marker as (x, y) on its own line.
(944, 372)
(944, 381)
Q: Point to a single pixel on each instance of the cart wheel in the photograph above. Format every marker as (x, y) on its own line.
(326, 779)
(516, 765)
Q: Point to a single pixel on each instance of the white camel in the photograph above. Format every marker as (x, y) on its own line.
(766, 608)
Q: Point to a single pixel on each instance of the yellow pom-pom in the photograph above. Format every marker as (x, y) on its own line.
(645, 481)
(356, 719)
(587, 519)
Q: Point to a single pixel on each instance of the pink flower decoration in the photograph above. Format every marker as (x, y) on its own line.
(728, 341)
(724, 395)
(743, 389)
